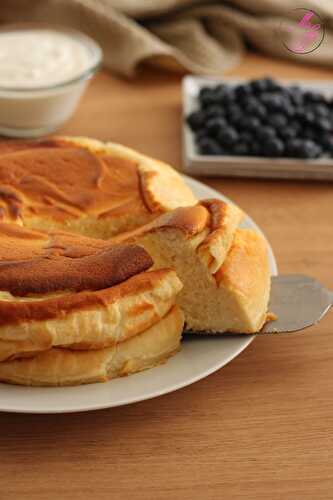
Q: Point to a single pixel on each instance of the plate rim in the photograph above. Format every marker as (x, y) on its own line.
(78, 408)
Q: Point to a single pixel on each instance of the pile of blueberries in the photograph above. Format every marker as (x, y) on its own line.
(263, 118)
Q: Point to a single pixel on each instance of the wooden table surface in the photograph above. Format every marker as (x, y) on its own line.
(261, 427)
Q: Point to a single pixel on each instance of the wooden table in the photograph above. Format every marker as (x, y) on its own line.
(260, 428)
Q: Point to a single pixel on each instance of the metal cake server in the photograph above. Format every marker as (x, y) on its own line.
(298, 301)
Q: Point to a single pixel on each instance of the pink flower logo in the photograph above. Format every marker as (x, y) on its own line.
(303, 33)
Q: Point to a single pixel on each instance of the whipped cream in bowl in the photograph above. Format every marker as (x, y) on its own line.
(44, 71)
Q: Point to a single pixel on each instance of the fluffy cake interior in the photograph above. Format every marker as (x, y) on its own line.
(235, 298)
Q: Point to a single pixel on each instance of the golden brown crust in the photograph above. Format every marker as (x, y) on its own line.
(64, 367)
(189, 220)
(17, 311)
(105, 182)
(246, 260)
(33, 263)
(37, 182)
(224, 220)
(246, 274)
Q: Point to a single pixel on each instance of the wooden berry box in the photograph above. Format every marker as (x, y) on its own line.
(247, 166)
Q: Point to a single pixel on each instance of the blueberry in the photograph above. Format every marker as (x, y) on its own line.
(289, 110)
(311, 149)
(209, 98)
(272, 84)
(273, 147)
(200, 134)
(213, 111)
(264, 85)
(303, 148)
(285, 93)
(228, 137)
(300, 114)
(287, 133)
(235, 119)
(226, 95)
(296, 126)
(251, 123)
(309, 133)
(209, 146)
(266, 133)
(277, 120)
(309, 117)
(273, 102)
(243, 91)
(234, 114)
(215, 125)
(251, 105)
(204, 91)
(241, 149)
(196, 120)
(315, 97)
(251, 101)
(246, 136)
(233, 108)
(296, 95)
(324, 124)
(321, 110)
(259, 86)
(270, 97)
(260, 111)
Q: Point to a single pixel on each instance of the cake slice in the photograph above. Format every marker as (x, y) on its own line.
(65, 290)
(225, 270)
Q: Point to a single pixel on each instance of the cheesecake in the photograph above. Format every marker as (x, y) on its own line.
(105, 255)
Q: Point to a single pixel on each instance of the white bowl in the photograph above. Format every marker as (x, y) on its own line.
(38, 110)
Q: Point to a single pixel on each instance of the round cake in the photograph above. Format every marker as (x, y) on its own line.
(104, 253)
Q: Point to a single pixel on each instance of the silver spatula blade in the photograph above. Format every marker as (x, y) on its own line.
(298, 301)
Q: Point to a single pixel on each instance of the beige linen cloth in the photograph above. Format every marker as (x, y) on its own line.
(194, 35)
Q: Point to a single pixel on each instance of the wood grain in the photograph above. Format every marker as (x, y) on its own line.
(261, 428)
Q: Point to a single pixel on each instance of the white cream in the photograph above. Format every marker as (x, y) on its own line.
(43, 73)
(39, 58)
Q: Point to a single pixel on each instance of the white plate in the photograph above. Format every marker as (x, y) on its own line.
(247, 166)
(198, 358)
